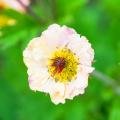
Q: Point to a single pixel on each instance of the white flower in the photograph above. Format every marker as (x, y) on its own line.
(14, 4)
(59, 63)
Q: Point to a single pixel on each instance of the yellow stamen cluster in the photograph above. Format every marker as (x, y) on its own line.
(67, 69)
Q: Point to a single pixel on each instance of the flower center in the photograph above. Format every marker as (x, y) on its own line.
(63, 65)
(59, 64)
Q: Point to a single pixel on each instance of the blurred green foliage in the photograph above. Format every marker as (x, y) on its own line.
(99, 20)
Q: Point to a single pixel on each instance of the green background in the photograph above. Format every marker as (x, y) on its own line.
(99, 21)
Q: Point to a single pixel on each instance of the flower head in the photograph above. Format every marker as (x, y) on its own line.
(59, 63)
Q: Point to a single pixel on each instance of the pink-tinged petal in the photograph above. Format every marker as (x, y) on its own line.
(30, 80)
(68, 31)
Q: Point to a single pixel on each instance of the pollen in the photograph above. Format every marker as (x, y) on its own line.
(63, 65)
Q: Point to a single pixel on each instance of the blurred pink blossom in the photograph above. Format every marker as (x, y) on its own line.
(14, 4)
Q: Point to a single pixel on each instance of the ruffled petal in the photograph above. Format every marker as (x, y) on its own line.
(82, 48)
(58, 94)
(77, 86)
(36, 81)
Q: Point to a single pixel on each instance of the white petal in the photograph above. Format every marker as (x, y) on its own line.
(85, 69)
(58, 94)
(56, 90)
(76, 87)
(36, 81)
(82, 49)
(56, 36)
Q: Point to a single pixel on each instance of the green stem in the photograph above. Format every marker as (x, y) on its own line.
(107, 80)
(53, 9)
(31, 12)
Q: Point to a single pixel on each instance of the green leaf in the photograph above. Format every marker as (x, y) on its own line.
(13, 34)
(65, 7)
(115, 111)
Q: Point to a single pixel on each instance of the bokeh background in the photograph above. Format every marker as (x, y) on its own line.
(22, 20)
